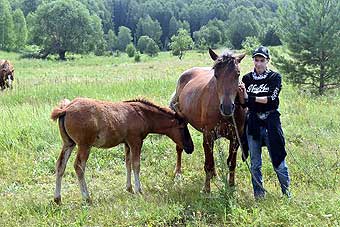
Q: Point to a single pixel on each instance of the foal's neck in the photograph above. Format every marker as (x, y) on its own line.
(158, 121)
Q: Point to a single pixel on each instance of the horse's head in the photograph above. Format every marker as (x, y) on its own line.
(180, 134)
(7, 74)
(227, 72)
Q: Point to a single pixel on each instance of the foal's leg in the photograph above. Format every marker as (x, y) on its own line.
(79, 166)
(128, 168)
(135, 149)
(178, 169)
(60, 168)
(209, 165)
(233, 146)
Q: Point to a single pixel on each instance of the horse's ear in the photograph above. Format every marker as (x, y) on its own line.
(240, 57)
(213, 55)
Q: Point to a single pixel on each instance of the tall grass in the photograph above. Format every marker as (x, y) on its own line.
(30, 144)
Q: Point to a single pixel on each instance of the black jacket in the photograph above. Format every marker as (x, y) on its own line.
(267, 84)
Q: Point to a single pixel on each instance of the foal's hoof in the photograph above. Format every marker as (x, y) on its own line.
(88, 201)
(57, 200)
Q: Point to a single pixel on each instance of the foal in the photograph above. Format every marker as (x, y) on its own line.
(91, 123)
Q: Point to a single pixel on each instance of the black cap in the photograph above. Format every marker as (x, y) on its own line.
(261, 51)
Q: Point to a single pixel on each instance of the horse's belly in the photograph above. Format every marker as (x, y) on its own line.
(108, 139)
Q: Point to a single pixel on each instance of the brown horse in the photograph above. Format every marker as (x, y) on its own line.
(6, 74)
(205, 97)
(91, 123)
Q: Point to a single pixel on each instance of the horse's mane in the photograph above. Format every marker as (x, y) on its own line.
(226, 57)
(149, 103)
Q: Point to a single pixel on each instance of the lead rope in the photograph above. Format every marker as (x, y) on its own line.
(239, 141)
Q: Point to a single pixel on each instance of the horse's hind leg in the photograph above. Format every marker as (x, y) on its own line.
(60, 168)
(128, 168)
(79, 166)
(178, 168)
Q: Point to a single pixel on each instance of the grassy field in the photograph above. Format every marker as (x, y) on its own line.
(30, 144)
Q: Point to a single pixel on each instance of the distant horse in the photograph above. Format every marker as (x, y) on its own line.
(6, 74)
(205, 97)
(91, 123)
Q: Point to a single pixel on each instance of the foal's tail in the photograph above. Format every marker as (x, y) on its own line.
(60, 110)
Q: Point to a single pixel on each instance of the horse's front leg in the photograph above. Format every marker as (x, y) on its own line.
(231, 161)
(135, 149)
(178, 169)
(209, 165)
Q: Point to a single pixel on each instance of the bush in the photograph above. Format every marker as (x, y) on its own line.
(130, 50)
(137, 56)
(152, 48)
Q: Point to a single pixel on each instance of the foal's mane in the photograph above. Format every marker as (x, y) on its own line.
(225, 58)
(151, 104)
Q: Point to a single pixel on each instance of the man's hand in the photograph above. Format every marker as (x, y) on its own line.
(242, 92)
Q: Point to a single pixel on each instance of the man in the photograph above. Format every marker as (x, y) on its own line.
(259, 91)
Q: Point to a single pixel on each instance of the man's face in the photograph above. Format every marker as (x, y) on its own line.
(260, 64)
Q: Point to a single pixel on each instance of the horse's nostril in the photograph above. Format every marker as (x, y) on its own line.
(221, 107)
(233, 107)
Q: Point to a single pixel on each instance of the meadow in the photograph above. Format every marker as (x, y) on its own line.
(30, 145)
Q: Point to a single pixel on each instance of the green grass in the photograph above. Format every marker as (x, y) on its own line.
(30, 144)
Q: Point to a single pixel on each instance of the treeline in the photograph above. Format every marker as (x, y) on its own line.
(58, 26)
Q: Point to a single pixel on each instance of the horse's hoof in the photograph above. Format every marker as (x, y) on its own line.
(129, 189)
(57, 200)
(206, 190)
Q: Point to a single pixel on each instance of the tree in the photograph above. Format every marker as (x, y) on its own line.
(7, 35)
(310, 30)
(112, 40)
(124, 37)
(64, 25)
(173, 26)
(250, 44)
(210, 35)
(142, 43)
(20, 29)
(28, 6)
(180, 43)
(242, 23)
(148, 27)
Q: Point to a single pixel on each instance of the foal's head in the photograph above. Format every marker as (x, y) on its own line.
(227, 72)
(179, 133)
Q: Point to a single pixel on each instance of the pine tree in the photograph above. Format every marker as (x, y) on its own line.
(310, 29)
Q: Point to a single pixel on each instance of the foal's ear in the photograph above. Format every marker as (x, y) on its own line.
(240, 57)
(213, 55)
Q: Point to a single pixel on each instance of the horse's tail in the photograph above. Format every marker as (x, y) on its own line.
(60, 110)
(173, 100)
